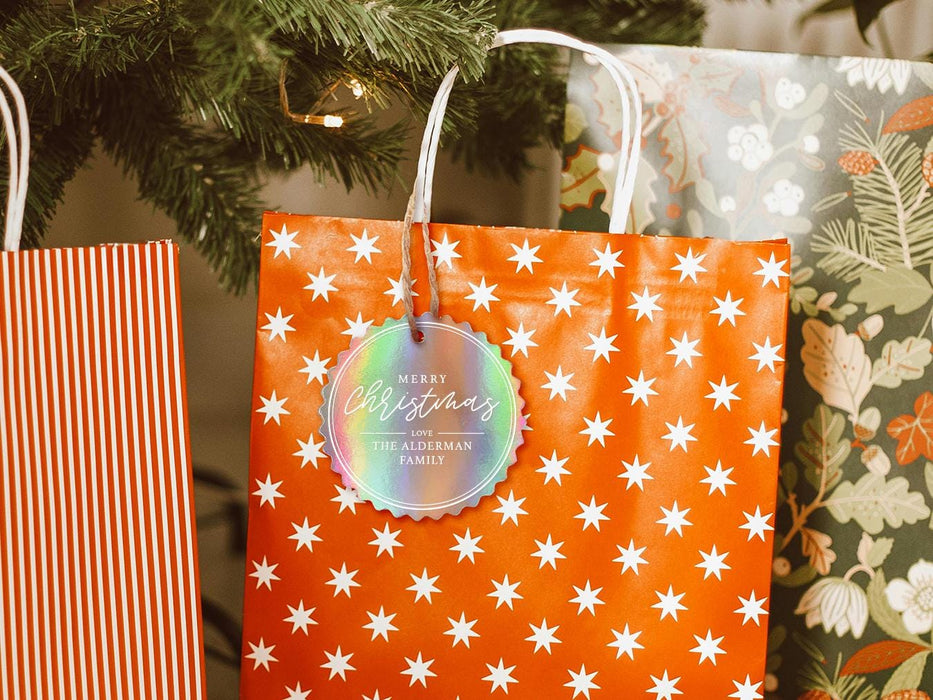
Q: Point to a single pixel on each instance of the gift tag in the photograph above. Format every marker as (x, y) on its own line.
(422, 429)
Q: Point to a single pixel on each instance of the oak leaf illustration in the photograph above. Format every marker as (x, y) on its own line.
(914, 433)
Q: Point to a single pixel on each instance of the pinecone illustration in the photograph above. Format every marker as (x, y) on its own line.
(857, 162)
(927, 168)
(906, 695)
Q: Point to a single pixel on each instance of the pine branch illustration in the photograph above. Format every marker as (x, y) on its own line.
(849, 249)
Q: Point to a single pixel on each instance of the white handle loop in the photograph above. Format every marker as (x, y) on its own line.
(18, 146)
(631, 133)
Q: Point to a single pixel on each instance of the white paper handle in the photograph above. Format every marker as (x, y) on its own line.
(631, 133)
(18, 146)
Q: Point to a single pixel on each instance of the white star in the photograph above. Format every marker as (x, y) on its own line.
(423, 586)
(300, 617)
(679, 434)
(559, 383)
(375, 696)
(718, 478)
(364, 247)
(386, 541)
(347, 498)
(343, 580)
(315, 368)
(630, 557)
(510, 508)
(268, 491)
(273, 407)
(524, 257)
(767, 354)
(684, 350)
(261, 654)
(722, 393)
(397, 291)
(689, 265)
(553, 468)
(500, 677)
(466, 546)
(607, 261)
(520, 340)
(321, 285)
(665, 687)
(278, 325)
(746, 690)
(264, 574)
(602, 346)
(420, 670)
(505, 592)
(669, 603)
(548, 552)
(338, 664)
(357, 328)
(707, 647)
(305, 536)
(640, 388)
(771, 271)
(644, 304)
(727, 309)
(297, 693)
(625, 642)
(461, 630)
(582, 682)
(674, 519)
(380, 624)
(636, 473)
(309, 451)
(713, 563)
(283, 242)
(587, 598)
(756, 524)
(543, 636)
(482, 294)
(445, 252)
(563, 300)
(597, 429)
(750, 608)
(591, 514)
(761, 440)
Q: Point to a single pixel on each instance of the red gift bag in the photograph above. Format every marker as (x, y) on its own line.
(98, 557)
(554, 480)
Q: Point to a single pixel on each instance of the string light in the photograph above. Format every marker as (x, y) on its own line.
(356, 87)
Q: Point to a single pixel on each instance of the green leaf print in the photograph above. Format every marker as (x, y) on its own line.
(872, 502)
(900, 361)
(905, 290)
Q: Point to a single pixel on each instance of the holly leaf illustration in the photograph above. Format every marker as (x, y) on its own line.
(682, 146)
(880, 656)
(713, 77)
(914, 433)
(835, 365)
(873, 502)
(579, 182)
(818, 547)
(908, 675)
(905, 290)
(883, 614)
(823, 448)
(900, 361)
(574, 122)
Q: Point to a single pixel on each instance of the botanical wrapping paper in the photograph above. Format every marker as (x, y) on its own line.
(837, 155)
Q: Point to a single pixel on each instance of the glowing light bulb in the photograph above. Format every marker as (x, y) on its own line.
(333, 121)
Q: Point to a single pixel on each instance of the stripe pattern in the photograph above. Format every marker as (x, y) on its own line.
(98, 558)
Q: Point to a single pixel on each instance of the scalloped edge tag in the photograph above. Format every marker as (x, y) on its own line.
(387, 426)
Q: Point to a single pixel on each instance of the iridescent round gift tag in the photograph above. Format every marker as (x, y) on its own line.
(422, 429)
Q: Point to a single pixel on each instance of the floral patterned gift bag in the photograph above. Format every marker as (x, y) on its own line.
(836, 153)
(564, 490)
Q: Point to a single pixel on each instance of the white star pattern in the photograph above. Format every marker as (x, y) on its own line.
(343, 581)
(423, 586)
(297, 693)
(766, 354)
(467, 546)
(674, 519)
(375, 696)
(273, 408)
(713, 563)
(644, 305)
(320, 286)
(707, 647)
(771, 271)
(587, 598)
(520, 340)
(601, 345)
(283, 242)
(718, 478)
(591, 514)
(263, 573)
(268, 491)
(597, 430)
(563, 300)
(543, 636)
(357, 328)
(756, 524)
(684, 350)
(630, 557)
(559, 383)
(419, 670)
(582, 682)
(315, 368)
(347, 498)
(300, 617)
(482, 294)
(386, 541)
(397, 291)
(380, 624)
(510, 508)
(461, 630)
(445, 252)
(751, 608)
(689, 265)
(505, 592)
(761, 440)
(261, 654)
(553, 468)
(278, 325)
(727, 309)
(500, 677)
(640, 388)
(669, 603)
(548, 552)
(746, 690)
(305, 536)
(665, 687)
(636, 473)
(722, 393)
(364, 247)
(310, 451)
(679, 434)
(625, 642)
(525, 258)
(607, 261)
(338, 664)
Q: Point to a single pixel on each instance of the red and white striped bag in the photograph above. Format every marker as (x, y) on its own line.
(98, 558)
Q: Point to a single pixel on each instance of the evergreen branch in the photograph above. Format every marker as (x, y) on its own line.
(849, 249)
(901, 216)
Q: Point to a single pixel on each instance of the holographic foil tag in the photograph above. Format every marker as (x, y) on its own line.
(422, 429)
